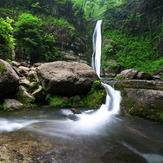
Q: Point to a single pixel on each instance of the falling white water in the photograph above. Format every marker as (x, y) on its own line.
(96, 57)
(113, 98)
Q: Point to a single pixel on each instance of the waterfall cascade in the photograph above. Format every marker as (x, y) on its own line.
(113, 97)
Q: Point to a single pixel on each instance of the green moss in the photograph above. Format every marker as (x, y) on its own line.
(9, 61)
(2, 68)
(1, 107)
(134, 109)
(4, 106)
(120, 78)
(147, 113)
(94, 99)
(123, 93)
(142, 90)
(28, 105)
(58, 101)
(25, 100)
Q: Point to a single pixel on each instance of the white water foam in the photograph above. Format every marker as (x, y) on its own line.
(12, 125)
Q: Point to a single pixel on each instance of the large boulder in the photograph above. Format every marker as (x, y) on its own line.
(144, 76)
(128, 74)
(66, 78)
(143, 102)
(8, 80)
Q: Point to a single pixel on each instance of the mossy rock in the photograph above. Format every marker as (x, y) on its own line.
(75, 111)
(143, 103)
(93, 99)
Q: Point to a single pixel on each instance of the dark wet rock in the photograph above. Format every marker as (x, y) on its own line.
(8, 80)
(66, 78)
(38, 93)
(121, 154)
(144, 76)
(75, 111)
(141, 84)
(159, 72)
(12, 104)
(128, 74)
(143, 102)
(72, 117)
(77, 99)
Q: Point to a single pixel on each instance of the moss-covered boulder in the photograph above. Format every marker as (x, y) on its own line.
(12, 104)
(94, 98)
(143, 102)
(8, 80)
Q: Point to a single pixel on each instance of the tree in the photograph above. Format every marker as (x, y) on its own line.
(28, 33)
(6, 38)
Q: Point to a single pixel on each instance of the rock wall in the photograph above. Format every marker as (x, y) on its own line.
(141, 97)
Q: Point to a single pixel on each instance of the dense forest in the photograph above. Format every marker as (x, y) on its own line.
(40, 31)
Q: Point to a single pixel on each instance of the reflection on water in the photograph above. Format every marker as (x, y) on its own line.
(92, 137)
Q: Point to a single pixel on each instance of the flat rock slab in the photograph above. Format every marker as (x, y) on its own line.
(140, 84)
(148, 99)
(66, 78)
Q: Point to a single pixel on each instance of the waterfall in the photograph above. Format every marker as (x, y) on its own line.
(113, 97)
(96, 56)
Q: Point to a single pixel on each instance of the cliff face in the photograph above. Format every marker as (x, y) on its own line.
(133, 34)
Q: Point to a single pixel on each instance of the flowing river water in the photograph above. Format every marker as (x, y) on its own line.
(46, 135)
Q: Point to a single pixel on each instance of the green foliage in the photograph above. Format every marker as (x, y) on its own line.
(62, 23)
(2, 68)
(58, 101)
(36, 5)
(7, 41)
(96, 86)
(4, 106)
(94, 99)
(95, 96)
(9, 61)
(49, 49)
(28, 33)
(137, 52)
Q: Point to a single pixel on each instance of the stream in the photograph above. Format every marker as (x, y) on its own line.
(50, 137)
